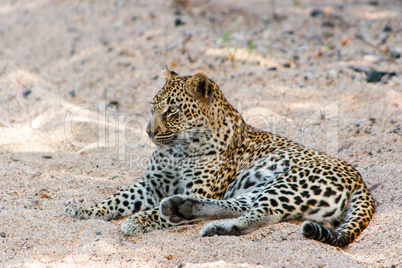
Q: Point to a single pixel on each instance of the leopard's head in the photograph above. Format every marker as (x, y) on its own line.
(181, 108)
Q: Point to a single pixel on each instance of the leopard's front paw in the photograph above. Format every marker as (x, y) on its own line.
(75, 211)
(134, 227)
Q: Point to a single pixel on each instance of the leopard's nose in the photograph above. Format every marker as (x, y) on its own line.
(150, 131)
(151, 134)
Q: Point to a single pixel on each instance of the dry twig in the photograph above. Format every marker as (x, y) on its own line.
(75, 241)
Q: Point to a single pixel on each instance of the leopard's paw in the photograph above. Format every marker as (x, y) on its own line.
(225, 227)
(178, 208)
(134, 227)
(75, 211)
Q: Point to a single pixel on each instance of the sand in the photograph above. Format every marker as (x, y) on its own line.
(76, 78)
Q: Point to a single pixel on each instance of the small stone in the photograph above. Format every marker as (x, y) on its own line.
(47, 156)
(387, 29)
(3, 234)
(374, 76)
(316, 12)
(178, 22)
(394, 54)
(112, 105)
(371, 58)
(26, 93)
(332, 73)
(272, 68)
(98, 233)
(286, 65)
(72, 93)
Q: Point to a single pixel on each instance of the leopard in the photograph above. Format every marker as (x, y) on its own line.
(210, 165)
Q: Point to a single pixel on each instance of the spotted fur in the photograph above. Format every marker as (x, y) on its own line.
(209, 164)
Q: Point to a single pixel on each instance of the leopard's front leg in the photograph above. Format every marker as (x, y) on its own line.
(144, 222)
(124, 202)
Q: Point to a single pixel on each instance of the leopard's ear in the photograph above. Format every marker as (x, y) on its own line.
(169, 75)
(198, 86)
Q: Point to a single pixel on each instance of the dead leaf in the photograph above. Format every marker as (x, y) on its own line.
(344, 41)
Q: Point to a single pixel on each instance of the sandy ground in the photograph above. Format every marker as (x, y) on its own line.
(76, 78)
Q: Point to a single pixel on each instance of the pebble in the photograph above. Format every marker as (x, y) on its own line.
(316, 12)
(333, 73)
(372, 58)
(26, 93)
(387, 29)
(112, 105)
(374, 76)
(272, 68)
(394, 54)
(3, 234)
(72, 93)
(286, 65)
(98, 233)
(178, 22)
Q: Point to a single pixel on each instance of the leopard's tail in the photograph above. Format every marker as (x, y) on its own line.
(359, 214)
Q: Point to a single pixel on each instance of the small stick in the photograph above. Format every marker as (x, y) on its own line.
(75, 240)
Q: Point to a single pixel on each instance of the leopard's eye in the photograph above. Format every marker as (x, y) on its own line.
(172, 110)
